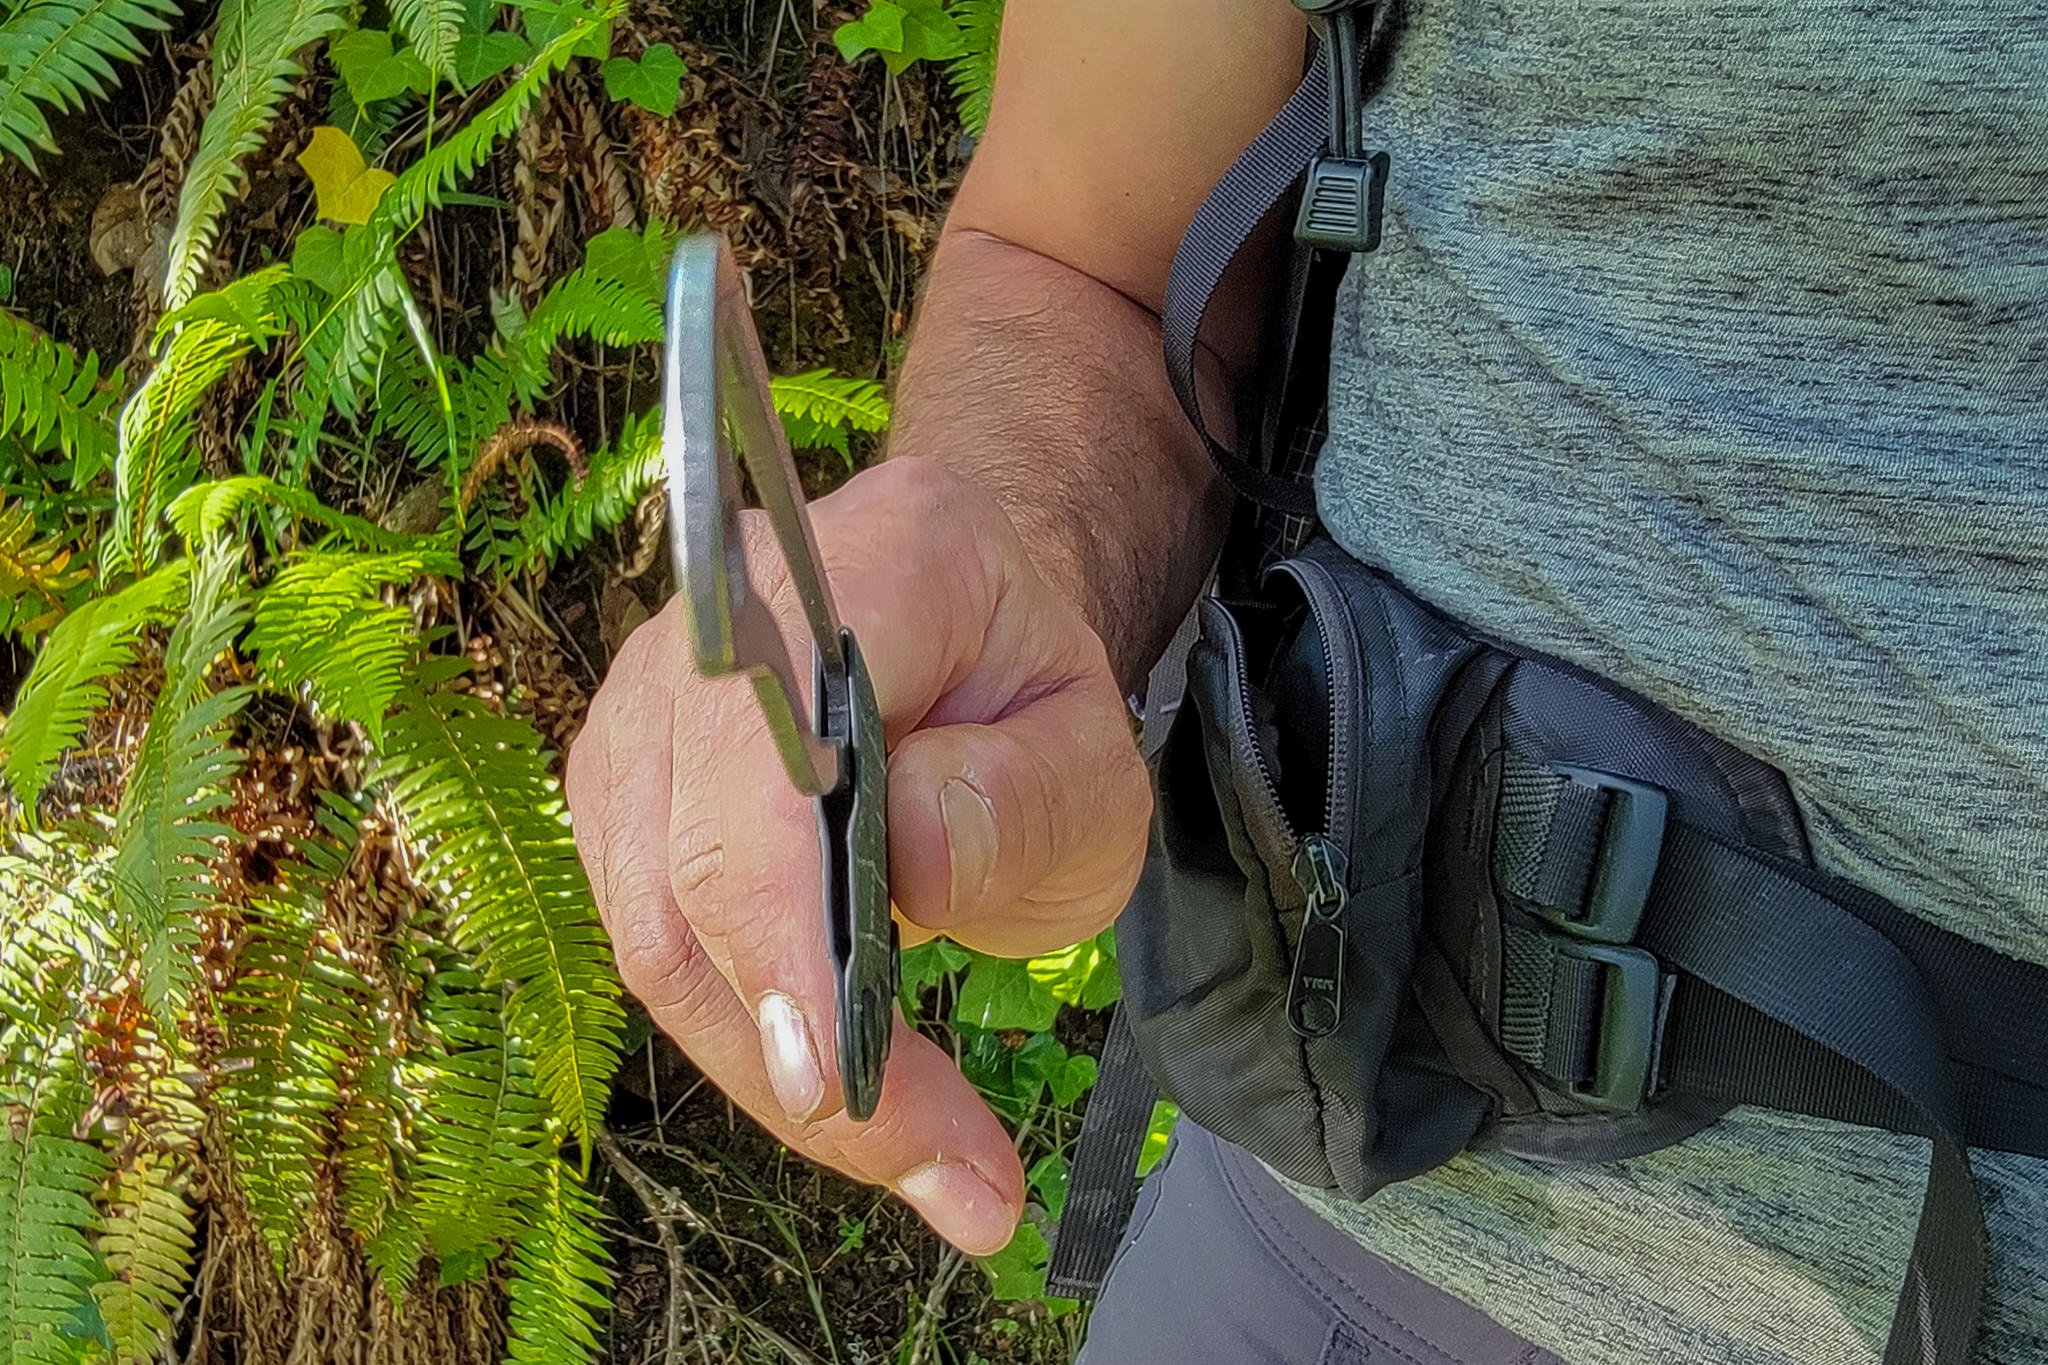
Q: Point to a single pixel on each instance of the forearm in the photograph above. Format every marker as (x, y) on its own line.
(1046, 387)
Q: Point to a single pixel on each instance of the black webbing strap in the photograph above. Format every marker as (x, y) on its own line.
(1792, 990)
(1776, 945)
(1102, 1187)
(1257, 183)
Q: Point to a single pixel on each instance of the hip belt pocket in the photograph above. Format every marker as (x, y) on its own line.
(1269, 952)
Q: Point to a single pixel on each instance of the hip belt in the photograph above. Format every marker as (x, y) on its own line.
(1412, 891)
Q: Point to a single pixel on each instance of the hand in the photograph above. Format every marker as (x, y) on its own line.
(1017, 814)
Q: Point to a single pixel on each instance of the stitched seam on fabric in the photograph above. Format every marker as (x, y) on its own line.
(1294, 1266)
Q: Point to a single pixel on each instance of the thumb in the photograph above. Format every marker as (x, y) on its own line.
(1025, 834)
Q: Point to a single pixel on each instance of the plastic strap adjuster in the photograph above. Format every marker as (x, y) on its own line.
(1629, 1021)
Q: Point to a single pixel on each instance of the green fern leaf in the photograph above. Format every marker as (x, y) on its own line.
(256, 47)
(455, 159)
(207, 510)
(619, 476)
(580, 304)
(48, 1175)
(322, 624)
(973, 72)
(156, 460)
(473, 792)
(37, 580)
(164, 833)
(375, 1187)
(348, 345)
(68, 680)
(433, 27)
(345, 347)
(484, 1133)
(820, 409)
(56, 54)
(292, 1021)
(49, 395)
(146, 1239)
(559, 1283)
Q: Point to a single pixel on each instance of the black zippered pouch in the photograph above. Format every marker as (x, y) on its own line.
(1314, 961)
(1268, 952)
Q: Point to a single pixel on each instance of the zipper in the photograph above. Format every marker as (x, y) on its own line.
(1315, 988)
(1340, 637)
(1320, 863)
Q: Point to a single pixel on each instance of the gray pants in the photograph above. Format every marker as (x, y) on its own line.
(1221, 1266)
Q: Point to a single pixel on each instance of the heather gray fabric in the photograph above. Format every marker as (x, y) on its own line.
(1708, 348)
(1221, 1267)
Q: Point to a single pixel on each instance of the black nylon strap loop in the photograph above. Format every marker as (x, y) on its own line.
(1782, 948)
(1103, 1186)
(1255, 185)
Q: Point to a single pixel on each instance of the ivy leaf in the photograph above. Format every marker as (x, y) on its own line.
(1083, 975)
(480, 56)
(625, 257)
(926, 965)
(317, 258)
(1035, 1064)
(654, 82)
(902, 32)
(482, 51)
(1018, 1270)
(547, 20)
(928, 962)
(1164, 1115)
(1073, 1080)
(1048, 1178)
(373, 71)
(999, 993)
(346, 188)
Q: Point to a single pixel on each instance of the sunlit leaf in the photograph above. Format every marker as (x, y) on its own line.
(347, 189)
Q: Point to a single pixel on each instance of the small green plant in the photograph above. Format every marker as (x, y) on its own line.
(300, 976)
(961, 34)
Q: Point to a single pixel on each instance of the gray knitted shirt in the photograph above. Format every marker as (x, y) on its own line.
(1708, 348)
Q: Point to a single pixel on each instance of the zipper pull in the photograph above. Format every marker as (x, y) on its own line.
(1315, 990)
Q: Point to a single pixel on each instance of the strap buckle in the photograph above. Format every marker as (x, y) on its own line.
(1630, 1024)
(1631, 842)
(1345, 192)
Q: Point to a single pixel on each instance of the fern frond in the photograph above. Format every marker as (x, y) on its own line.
(155, 460)
(256, 45)
(67, 683)
(559, 1280)
(432, 27)
(48, 1175)
(48, 391)
(373, 1155)
(322, 624)
(580, 304)
(164, 833)
(209, 509)
(455, 159)
(409, 406)
(484, 1133)
(37, 579)
(819, 409)
(973, 72)
(56, 54)
(292, 1021)
(346, 346)
(619, 476)
(146, 1239)
(473, 792)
